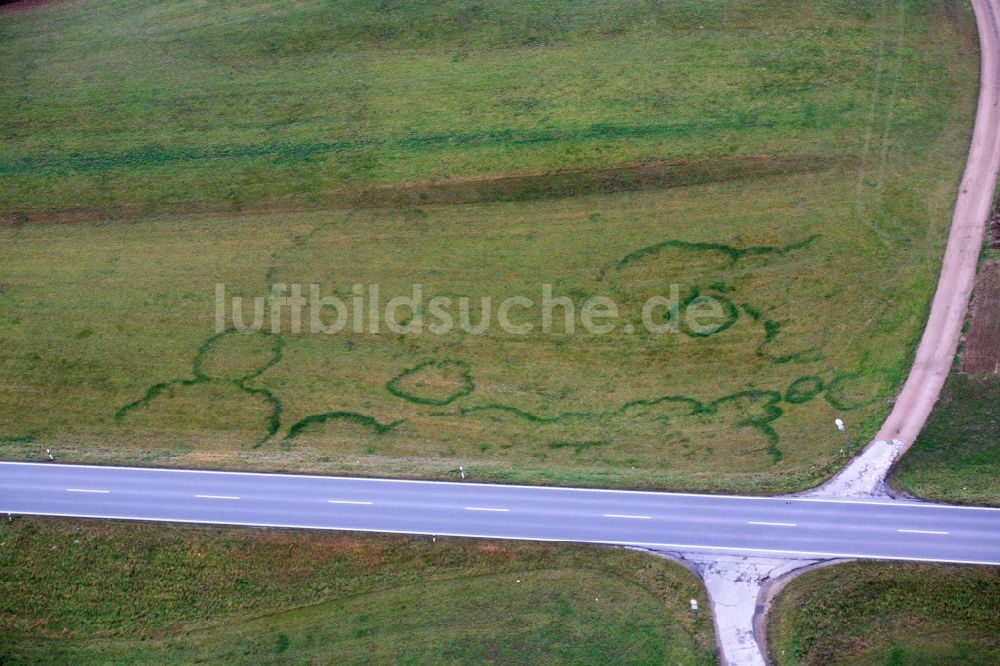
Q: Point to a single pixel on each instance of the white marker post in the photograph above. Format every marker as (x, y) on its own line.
(462, 472)
(843, 431)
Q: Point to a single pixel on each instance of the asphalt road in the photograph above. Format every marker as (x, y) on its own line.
(807, 527)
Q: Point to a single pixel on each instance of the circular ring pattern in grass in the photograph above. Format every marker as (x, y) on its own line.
(730, 314)
(433, 382)
(236, 356)
(835, 393)
(803, 390)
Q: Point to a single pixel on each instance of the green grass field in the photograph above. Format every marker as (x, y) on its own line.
(98, 593)
(957, 456)
(874, 613)
(797, 164)
(115, 104)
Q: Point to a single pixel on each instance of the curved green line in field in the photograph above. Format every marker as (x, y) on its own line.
(465, 375)
(277, 354)
(152, 392)
(273, 419)
(351, 417)
(803, 390)
(730, 311)
(240, 382)
(836, 385)
(771, 330)
(526, 415)
(696, 406)
(733, 253)
(771, 413)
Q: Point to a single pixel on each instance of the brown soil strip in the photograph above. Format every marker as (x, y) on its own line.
(982, 344)
(652, 175)
(21, 5)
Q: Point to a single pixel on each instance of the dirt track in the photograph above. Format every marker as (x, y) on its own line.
(958, 270)
(865, 475)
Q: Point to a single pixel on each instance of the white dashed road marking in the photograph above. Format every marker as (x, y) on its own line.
(625, 515)
(921, 532)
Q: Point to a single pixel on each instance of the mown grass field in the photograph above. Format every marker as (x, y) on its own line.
(889, 614)
(957, 456)
(98, 593)
(797, 162)
(117, 103)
